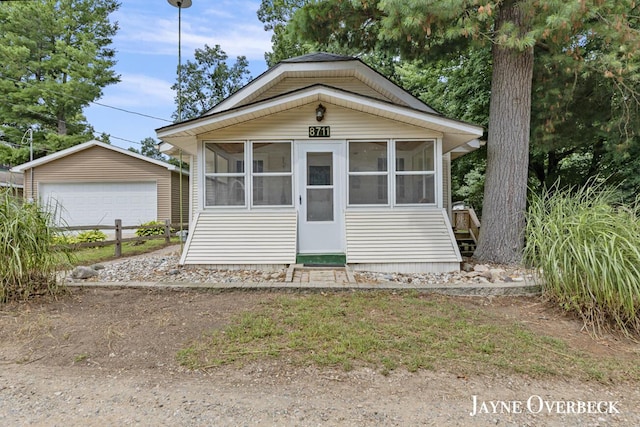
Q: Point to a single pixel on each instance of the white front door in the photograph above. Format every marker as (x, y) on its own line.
(320, 197)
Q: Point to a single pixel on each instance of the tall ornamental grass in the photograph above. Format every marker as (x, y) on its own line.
(29, 262)
(586, 247)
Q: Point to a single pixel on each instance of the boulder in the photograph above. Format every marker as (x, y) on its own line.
(83, 272)
(480, 268)
(467, 267)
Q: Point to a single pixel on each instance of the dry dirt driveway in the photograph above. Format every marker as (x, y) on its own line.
(106, 357)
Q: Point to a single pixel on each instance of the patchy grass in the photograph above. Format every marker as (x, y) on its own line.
(86, 256)
(387, 331)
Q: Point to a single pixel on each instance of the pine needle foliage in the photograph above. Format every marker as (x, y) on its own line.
(29, 260)
(586, 247)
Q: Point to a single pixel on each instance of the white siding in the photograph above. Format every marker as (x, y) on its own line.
(294, 124)
(194, 180)
(400, 237)
(247, 238)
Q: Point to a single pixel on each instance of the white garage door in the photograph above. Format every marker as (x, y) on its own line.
(101, 203)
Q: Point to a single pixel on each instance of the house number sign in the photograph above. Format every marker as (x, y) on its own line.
(319, 131)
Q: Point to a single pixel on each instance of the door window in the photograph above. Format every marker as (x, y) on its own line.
(319, 189)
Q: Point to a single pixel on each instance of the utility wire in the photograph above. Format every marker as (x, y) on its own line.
(95, 132)
(90, 102)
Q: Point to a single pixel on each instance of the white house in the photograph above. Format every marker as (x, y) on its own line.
(321, 155)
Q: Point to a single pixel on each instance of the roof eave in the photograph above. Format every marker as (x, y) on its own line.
(189, 130)
(80, 147)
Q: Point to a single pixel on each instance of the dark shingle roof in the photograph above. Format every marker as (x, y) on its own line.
(319, 57)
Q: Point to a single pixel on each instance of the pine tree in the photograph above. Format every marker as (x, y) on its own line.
(55, 58)
(512, 29)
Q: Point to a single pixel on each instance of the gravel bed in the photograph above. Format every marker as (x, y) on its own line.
(165, 268)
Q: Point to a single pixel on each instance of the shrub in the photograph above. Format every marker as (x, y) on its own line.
(156, 231)
(29, 259)
(90, 236)
(64, 239)
(586, 248)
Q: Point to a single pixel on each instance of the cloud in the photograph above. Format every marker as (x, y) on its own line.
(146, 32)
(139, 90)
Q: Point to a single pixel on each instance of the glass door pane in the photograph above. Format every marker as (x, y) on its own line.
(319, 187)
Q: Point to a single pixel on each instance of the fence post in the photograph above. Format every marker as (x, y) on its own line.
(118, 253)
(167, 231)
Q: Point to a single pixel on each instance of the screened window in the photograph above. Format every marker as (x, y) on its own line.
(272, 174)
(415, 172)
(368, 173)
(224, 174)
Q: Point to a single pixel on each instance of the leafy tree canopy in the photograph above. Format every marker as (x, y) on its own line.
(149, 148)
(207, 80)
(55, 58)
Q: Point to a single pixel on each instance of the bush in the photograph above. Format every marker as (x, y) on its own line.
(90, 236)
(156, 231)
(29, 260)
(84, 237)
(64, 239)
(586, 248)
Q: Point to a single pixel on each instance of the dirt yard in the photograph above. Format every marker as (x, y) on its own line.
(107, 357)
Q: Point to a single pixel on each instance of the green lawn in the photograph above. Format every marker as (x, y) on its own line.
(394, 330)
(85, 256)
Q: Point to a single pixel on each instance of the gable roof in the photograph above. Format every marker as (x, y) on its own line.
(456, 132)
(84, 146)
(318, 66)
(319, 57)
(341, 80)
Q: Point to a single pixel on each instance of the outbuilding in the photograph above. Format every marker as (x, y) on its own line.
(321, 156)
(94, 183)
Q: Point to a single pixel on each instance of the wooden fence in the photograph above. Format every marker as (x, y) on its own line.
(119, 240)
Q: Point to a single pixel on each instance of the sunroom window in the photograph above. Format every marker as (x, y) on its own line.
(415, 172)
(368, 173)
(224, 174)
(272, 174)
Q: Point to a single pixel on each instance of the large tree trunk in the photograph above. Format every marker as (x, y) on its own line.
(505, 193)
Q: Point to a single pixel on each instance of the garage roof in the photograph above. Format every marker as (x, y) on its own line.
(84, 146)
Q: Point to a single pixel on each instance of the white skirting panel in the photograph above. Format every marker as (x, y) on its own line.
(399, 240)
(242, 239)
(235, 267)
(407, 267)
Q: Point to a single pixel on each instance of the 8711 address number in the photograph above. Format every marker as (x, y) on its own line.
(319, 131)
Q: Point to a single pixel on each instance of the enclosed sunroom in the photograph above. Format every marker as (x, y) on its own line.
(321, 156)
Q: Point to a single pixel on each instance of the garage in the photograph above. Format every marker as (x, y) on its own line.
(94, 183)
(101, 203)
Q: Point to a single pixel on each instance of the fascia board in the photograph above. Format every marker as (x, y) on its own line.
(85, 145)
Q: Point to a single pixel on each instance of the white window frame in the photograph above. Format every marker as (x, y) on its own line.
(270, 174)
(248, 174)
(386, 173)
(433, 173)
(392, 174)
(206, 174)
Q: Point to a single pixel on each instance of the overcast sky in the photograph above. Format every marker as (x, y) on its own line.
(147, 55)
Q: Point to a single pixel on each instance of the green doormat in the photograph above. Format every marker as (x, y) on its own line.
(322, 259)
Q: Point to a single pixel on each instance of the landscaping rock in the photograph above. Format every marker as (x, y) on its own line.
(83, 272)
(166, 268)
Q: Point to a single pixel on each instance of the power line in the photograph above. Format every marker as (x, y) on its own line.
(50, 116)
(90, 102)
